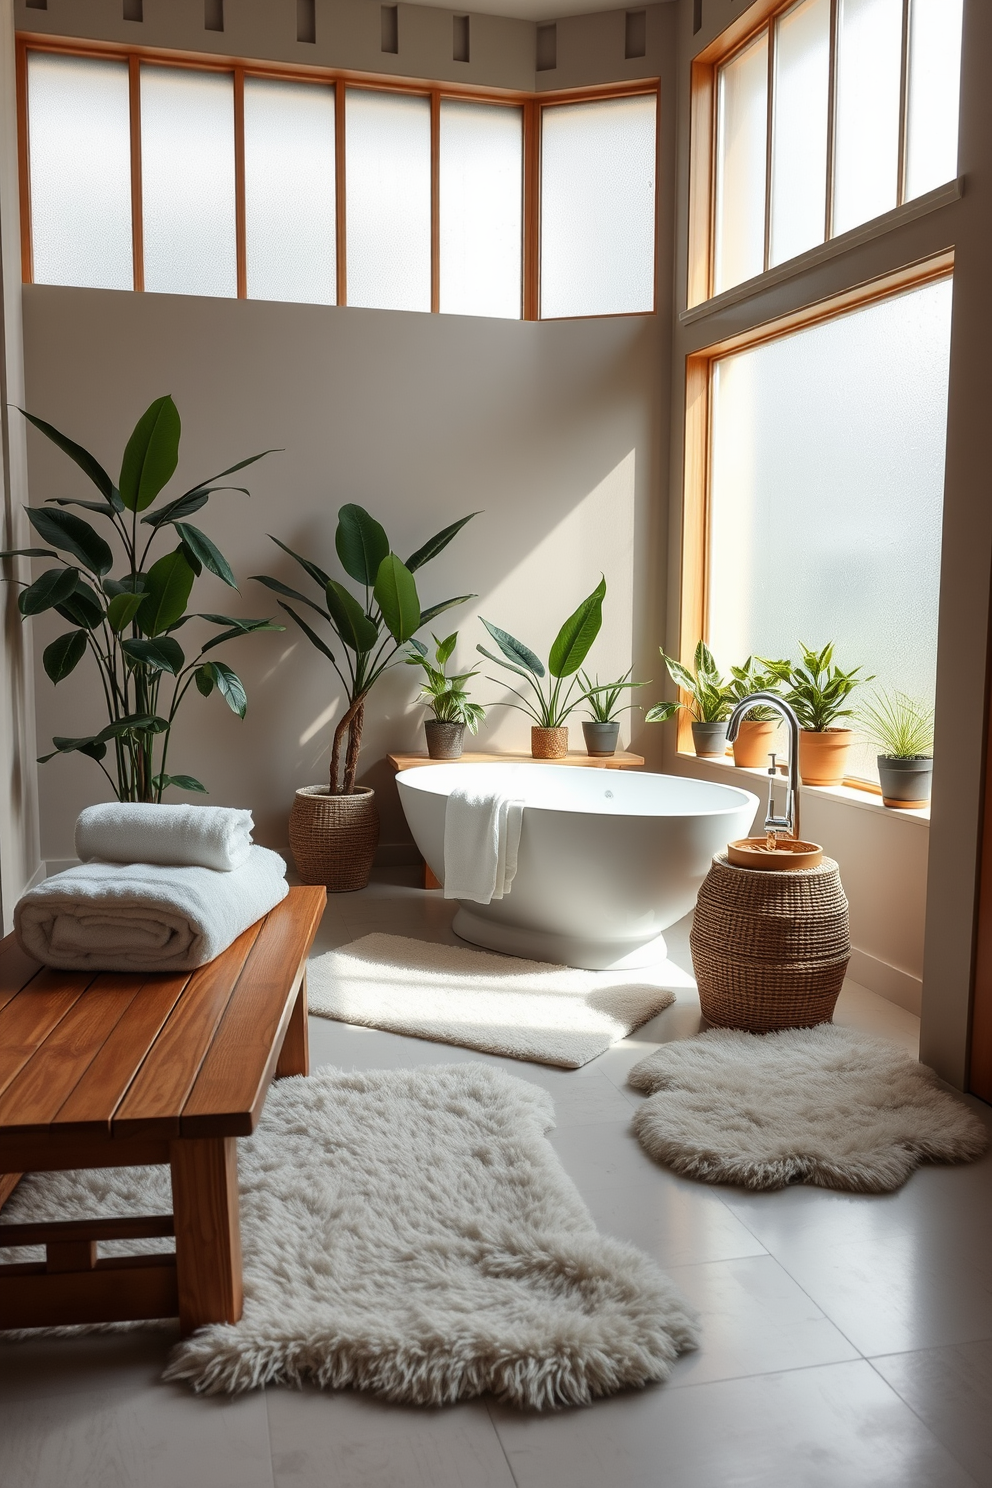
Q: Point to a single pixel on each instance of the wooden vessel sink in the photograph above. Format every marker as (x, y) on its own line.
(788, 854)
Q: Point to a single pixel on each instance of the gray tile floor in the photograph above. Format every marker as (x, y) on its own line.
(847, 1340)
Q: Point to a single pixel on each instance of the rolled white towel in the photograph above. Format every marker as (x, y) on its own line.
(481, 840)
(145, 916)
(183, 836)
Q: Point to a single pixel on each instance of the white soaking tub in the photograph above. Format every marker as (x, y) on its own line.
(608, 858)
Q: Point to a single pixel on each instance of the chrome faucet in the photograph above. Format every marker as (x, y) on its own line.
(790, 821)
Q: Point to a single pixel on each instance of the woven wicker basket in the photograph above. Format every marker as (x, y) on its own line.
(770, 949)
(334, 838)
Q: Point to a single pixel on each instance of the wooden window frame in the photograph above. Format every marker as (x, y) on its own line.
(762, 17)
(698, 431)
(532, 106)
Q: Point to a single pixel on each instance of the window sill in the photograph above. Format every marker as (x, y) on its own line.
(863, 800)
(942, 196)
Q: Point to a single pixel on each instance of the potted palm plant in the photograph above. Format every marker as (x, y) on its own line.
(447, 697)
(551, 702)
(710, 700)
(334, 828)
(902, 728)
(756, 734)
(128, 625)
(819, 692)
(602, 729)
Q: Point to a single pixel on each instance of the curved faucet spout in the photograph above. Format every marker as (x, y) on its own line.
(790, 820)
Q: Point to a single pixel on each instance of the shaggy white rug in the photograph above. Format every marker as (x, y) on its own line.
(412, 1233)
(500, 1004)
(818, 1105)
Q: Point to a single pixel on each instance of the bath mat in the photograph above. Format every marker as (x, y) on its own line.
(411, 1233)
(500, 1004)
(823, 1105)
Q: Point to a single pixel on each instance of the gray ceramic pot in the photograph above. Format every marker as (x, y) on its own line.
(710, 738)
(444, 740)
(601, 738)
(905, 782)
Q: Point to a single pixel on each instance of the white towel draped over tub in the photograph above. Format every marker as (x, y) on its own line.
(481, 839)
(142, 832)
(145, 916)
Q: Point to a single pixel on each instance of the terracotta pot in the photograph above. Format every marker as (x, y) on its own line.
(549, 743)
(823, 756)
(754, 743)
(334, 838)
(601, 738)
(905, 782)
(444, 740)
(710, 739)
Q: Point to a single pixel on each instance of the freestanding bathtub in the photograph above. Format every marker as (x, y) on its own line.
(608, 858)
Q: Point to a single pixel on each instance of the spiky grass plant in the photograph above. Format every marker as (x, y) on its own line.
(901, 726)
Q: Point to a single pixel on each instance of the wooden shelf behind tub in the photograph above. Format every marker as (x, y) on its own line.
(622, 760)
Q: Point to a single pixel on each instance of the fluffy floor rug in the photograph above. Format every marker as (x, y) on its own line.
(500, 1004)
(412, 1233)
(822, 1105)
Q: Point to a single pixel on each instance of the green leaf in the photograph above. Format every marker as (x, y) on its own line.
(134, 723)
(83, 607)
(349, 619)
(28, 553)
(202, 485)
(162, 655)
(210, 556)
(104, 508)
(122, 609)
(432, 611)
(174, 511)
(168, 584)
(183, 782)
(151, 454)
(396, 595)
(361, 544)
(317, 574)
(72, 535)
(445, 647)
(510, 666)
(94, 747)
(661, 712)
(64, 654)
(191, 558)
(83, 458)
(278, 587)
(434, 545)
(514, 650)
(204, 679)
(310, 634)
(572, 642)
(51, 589)
(228, 684)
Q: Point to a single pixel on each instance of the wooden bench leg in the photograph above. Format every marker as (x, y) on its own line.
(8, 1182)
(208, 1233)
(294, 1056)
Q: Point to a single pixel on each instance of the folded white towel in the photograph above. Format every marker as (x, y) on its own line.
(183, 836)
(481, 840)
(145, 916)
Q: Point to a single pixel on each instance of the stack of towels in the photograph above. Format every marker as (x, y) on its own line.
(158, 888)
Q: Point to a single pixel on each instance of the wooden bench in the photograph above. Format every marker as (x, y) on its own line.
(111, 1069)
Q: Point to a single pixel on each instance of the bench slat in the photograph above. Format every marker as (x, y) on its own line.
(156, 1098)
(230, 1088)
(16, 969)
(29, 1018)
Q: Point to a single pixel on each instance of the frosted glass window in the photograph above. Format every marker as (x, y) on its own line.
(826, 492)
(481, 209)
(742, 135)
(598, 163)
(187, 178)
(80, 152)
(289, 191)
(388, 186)
(869, 65)
(799, 136)
(934, 86)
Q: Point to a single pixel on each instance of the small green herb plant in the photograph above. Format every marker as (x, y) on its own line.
(711, 696)
(551, 701)
(755, 675)
(900, 726)
(604, 697)
(818, 690)
(447, 697)
(128, 624)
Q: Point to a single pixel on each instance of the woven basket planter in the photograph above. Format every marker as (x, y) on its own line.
(770, 949)
(334, 838)
(548, 743)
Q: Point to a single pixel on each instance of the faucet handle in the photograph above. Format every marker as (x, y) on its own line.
(773, 768)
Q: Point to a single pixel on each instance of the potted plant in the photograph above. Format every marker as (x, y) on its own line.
(818, 691)
(128, 624)
(334, 828)
(447, 699)
(601, 731)
(757, 731)
(902, 728)
(711, 699)
(551, 705)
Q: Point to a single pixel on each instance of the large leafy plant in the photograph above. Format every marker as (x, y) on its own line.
(550, 701)
(757, 675)
(447, 697)
(819, 691)
(710, 695)
(372, 631)
(128, 624)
